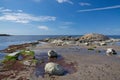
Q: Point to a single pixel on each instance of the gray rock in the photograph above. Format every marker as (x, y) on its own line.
(103, 43)
(54, 69)
(52, 54)
(93, 37)
(110, 51)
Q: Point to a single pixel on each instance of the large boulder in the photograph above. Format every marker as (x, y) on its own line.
(110, 51)
(93, 37)
(54, 69)
(52, 54)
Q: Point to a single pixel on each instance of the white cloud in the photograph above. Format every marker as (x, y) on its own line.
(99, 9)
(63, 1)
(20, 10)
(20, 17)
(2, 9)
(43, 28)
(84, 4)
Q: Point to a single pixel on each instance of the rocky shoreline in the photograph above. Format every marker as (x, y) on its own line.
(13, 48)
(92, 39)
(78, 57)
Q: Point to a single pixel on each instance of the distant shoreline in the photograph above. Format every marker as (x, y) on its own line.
(5, 35)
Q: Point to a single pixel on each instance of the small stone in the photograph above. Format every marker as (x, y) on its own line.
(86, 44)
(103, 44)
(52, 54)
(27, 63)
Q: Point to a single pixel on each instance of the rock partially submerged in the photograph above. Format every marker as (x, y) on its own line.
(52, 54)
(54, 69)
(110, 51)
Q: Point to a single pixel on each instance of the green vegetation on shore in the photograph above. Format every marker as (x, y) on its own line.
(25, 54)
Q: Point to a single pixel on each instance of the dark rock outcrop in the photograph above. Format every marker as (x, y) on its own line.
(4, 35)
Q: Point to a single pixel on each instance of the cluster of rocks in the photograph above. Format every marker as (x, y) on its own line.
(88, 39)
(13, 48)
(93, 37)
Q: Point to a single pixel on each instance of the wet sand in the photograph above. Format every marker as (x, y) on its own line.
(88, 64)
(79, 63)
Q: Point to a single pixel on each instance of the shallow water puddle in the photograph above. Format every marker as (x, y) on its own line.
(43, 59)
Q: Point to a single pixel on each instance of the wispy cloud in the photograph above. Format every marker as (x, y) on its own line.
(2, 10)
(99, 9)
(65, 1)
(20, 17)
(43, 28)
(20, 10)
(84, 4)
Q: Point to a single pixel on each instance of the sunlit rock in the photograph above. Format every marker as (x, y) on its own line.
(110, 51)
(54, 69)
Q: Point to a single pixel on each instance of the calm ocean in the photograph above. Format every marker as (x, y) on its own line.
(5, 41)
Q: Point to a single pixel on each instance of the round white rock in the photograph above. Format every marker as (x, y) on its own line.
(54, 69)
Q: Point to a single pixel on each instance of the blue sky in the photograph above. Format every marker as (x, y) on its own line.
(59, 17)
